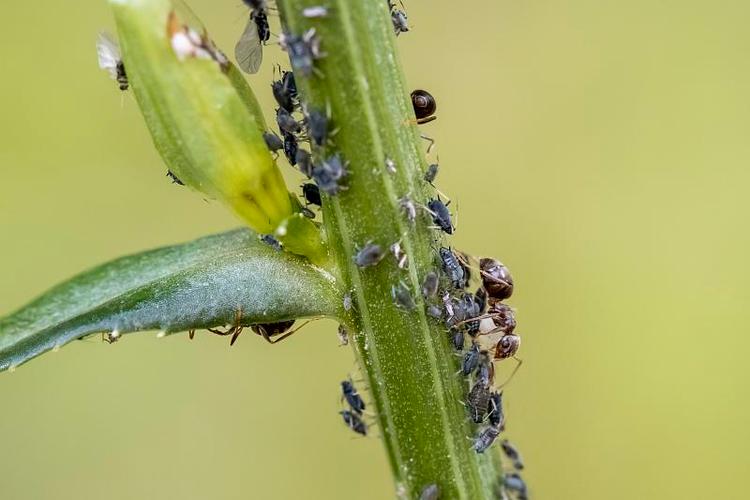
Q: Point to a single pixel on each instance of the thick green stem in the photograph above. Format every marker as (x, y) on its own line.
(404, 354)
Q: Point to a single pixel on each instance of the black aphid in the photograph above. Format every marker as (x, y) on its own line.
(408, 207)
(249, 48)
(302, 50)
(478, 401)
(402, 297)
(480, 297)
(514, 482)
(430, 284)
(440, 215)
(304, 163)
(286, 122)
(431, 173)
(328, 174)
(343, 334)
(436, 313)
(452, 268)
(349, 392)
(269, 240)
(307, 212)
(353, 421)
(512, 453)
(430, 492)
(485, 370)
(471, 359)
(290, 148)
(469, 309)
(370, 255)
(174, 178)
(273, 141)
(398, 18)
(311, 193)
(485, 439)
(424, 106)
(283, 94)
(457, 339)
(317, 126)
(496, 416)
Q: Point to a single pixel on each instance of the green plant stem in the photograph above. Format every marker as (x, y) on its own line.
(404, 354)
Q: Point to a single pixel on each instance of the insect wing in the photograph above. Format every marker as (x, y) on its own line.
(249, 51)
(108, 53)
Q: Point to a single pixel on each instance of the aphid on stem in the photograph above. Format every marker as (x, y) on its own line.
(354, 422)
(110, 60)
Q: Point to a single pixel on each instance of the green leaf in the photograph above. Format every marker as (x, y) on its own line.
(201, 284)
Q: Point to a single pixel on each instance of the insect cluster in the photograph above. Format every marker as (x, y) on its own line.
(353, 416)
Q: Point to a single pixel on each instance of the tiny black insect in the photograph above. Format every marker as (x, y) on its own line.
(349, 392)
(471, 359)
(480, 297)
(328, 174)
(317, 126)
(452, 268)
(312, 194)
(290, 148)
(370, 255)
(249, 48)
(430, 492)
(283, 94)
(485, 370)
(496, 416)
(398, 18)
(514, 482)
(268, 239)
(424, 106)
(174, 178)
(402, 297)
(478, 402)
(273, 141)
(440, 215)
(431, 173)
(457, 339)
(512, 453)
(287, 124)
(353, 421)
(304, 162)
(430, 284)
(485, 439)
(303, 50)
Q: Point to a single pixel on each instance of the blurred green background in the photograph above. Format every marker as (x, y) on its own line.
(600, 149)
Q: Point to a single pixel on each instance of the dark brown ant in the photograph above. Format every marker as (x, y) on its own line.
(496, 279)
(270, 330)
(424, 106)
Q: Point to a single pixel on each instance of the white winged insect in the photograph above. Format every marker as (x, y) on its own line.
(249, 48)
(110, 60)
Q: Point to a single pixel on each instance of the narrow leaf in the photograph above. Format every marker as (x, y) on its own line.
(200, 284)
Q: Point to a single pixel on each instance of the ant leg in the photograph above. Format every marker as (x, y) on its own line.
(265, 335)
(235, 335)
(191, 334)
(430, 140)
(519, 362)
(426, 119)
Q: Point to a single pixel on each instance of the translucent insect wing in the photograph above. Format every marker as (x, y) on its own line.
(249, 51)
(108, 53)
